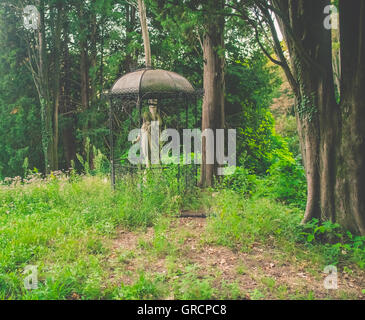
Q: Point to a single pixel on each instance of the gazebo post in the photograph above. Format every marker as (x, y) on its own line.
(195, 100)
(186, 127)
(139, 107)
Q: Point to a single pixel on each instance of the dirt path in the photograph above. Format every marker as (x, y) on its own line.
(259, 274)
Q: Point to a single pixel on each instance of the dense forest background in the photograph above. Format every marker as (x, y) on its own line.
(87, 46)
(53, 115)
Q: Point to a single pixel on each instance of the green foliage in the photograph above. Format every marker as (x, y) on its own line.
(62, 225)
(243, 223)
(142, 289)
(326, 230)
(100, 161)
(19, 115)
(58, 224)
(250, 87)
(113, 29)
(286, 180)
(192, 287)
(141, 199)
(257, 295)
(240, 181)
(338, 245)
(85, 163)
(160, 243)
(240, 222)
(307, 108)
(96, 157)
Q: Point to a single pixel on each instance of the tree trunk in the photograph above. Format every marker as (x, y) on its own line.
(46, 107)
(84, 72)
(214, 86)
(350, 182)
(332, 137)
(93, 56)
(68, 108)
(145, 35)
(57, 82)
(130, 62)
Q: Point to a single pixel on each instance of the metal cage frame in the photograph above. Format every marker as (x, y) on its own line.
(122, 101)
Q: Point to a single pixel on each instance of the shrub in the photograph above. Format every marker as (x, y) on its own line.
(286, 180)
(239, 222)
(338, 246)
(240, 181)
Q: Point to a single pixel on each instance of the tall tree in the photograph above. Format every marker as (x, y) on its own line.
(145, 34)
(67, 106)
(130, 62)
(57, 78)
(332, 135)
(19, 101)
(38, 63)
(84, 54)
(214, 83)
(203, 22)
(44, 62)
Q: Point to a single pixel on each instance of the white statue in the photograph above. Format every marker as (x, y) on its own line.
(147, 143)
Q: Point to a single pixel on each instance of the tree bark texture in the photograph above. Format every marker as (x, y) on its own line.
(332, 135)
(214, 87)
(145, 35)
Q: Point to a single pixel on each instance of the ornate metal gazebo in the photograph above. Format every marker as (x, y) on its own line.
(176, 98)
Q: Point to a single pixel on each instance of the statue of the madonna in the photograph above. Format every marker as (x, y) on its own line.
(150, 141)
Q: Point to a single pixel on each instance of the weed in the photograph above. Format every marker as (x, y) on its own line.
(142, 289)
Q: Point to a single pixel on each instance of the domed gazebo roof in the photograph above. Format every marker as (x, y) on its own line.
(150, 83)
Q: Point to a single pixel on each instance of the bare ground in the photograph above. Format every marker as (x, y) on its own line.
(261, 273)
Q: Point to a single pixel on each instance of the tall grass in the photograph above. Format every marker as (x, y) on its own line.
(239, 222)
(58, 224)
(243, 222)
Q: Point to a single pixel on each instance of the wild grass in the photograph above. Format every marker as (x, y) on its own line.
(241, 222)
(59, 224)
(64, 225)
